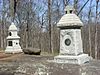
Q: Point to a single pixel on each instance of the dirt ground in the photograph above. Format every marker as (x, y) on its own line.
(22, 64)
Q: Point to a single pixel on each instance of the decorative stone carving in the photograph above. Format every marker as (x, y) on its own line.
(13, 45)
(71, 48)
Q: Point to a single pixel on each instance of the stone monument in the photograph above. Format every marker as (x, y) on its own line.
(13, 45)
(71, 50)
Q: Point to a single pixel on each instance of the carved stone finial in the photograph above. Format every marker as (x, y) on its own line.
(69, 9)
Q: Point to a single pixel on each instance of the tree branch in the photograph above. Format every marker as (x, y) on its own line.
(83, 7)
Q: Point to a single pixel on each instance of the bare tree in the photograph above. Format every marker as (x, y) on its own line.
(66, 2)
(89, 22)
(96, 31)
(82, 7)
(76, 6)
(49, 19)
(3, 24)
(13, 6)
(38, 29)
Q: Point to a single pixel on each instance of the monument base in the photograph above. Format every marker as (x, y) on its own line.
(13, 50)
(79, 59)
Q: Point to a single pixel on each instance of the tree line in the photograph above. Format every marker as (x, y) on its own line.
(37, 23)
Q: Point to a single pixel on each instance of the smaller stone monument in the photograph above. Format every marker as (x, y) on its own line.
(13, 45)
(71, 50)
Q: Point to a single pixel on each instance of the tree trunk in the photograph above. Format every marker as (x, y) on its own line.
(3, 27)
(26, 38)
(89, 28)
(96, 37)
(49, 17)
(2, 36)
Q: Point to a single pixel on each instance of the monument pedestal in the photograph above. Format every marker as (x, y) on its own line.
(72, 59)
(13, 50)
(71, 48)
(13, 45)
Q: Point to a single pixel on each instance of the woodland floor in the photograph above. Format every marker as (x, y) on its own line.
(22, 64)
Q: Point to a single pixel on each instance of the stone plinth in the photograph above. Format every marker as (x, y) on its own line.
(79, 59)
(13, 50)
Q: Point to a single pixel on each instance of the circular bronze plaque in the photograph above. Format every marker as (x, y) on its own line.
(67, 42)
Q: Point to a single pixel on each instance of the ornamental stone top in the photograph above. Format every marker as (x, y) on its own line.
(12, 32)
(12, 27)
(69, 19)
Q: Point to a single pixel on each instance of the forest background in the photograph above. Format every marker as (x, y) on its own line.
(37, 23)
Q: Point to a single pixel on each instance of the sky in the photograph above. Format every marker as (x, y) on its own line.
(42, 6)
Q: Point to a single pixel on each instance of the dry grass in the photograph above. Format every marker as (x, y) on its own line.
(48, 54)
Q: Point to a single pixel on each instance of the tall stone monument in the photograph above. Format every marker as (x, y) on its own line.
(71, 50)
(13, 45)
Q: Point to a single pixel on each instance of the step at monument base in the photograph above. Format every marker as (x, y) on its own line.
(79, 59)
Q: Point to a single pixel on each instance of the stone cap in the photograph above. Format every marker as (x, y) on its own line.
(69, 19)
(12, 27)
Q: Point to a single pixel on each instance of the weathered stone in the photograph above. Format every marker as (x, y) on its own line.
(69, 19)
(31, 51)
(71, 48)
(13, 45)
